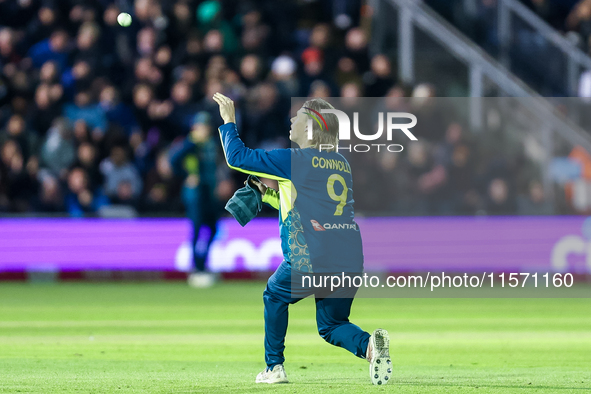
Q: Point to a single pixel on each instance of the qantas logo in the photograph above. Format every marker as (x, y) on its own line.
(333, 226)
(317, 226)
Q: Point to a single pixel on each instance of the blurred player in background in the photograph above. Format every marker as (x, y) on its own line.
(309, 194)
(196, 160)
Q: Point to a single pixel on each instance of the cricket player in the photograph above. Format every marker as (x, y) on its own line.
(318, 234)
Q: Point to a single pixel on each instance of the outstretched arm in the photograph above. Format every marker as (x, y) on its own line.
(275, 164)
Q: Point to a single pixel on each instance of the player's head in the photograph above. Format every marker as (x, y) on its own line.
(325, 127)
(201, 129)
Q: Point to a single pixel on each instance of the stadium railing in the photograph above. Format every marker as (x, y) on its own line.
(400, 24)
(512, 13)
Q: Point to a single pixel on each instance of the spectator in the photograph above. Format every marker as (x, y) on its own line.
(87, 45)
(21, 187)
(314, 70)
(183, 108)
(255, 33)
(579, 19)
(217, 31)
(499, 201)
(83, 108)
(347, 71)
(122, 181)
(16, 129)
(77, 78)
(49, 72)
(44, 24)
(58, 151)
(351, 89)
(264, 116)
(81, 197)
(50, 198)
(162, 187)
(283, 72)
(356, 49)
(535, 202)
(117, 112)
(8, 53)
(142, 98)
(462, 180)
(319, 89)
(54, 48)
(379, 80)
(87, 160)
(251, 70)
(46, 107)
(182, 22)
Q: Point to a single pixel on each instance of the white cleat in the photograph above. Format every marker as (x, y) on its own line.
(201, 280)
(378, 355)
(275, 375)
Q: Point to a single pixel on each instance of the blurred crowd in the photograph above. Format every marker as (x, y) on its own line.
(452, 169)
(531, 56)
(94, 114)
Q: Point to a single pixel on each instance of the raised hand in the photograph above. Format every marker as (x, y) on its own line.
(227, 110)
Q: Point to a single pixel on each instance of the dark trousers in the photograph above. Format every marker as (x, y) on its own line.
(332, 315)
(203, 211)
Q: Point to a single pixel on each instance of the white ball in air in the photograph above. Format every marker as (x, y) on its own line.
(124, 19)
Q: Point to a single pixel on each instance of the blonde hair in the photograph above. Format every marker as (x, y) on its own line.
(323, 134)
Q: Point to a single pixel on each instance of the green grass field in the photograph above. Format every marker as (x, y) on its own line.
(168, 338)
